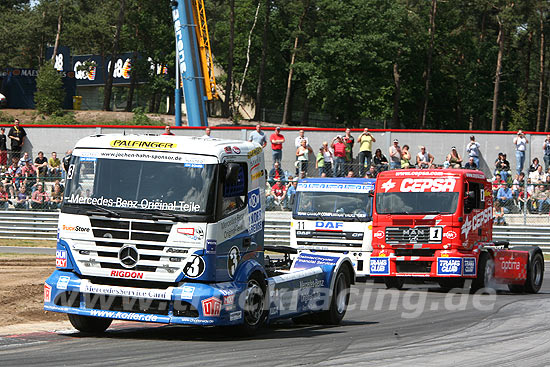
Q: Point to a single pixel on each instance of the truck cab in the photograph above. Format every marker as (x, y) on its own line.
(334, 215)
(169, 229)
(437, 225)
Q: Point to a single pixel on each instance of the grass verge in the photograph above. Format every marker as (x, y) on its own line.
(27, 243)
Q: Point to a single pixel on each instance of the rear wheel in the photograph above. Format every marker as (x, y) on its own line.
(535, 273)
(394, 282)
(89, 324)
(339, 299)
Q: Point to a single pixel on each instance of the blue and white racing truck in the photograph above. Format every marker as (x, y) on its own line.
(170, 229)
(334, 216)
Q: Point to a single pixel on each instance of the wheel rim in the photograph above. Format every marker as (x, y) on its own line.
(537, 272)
(489, 268)
(254, 303)
(341, 296)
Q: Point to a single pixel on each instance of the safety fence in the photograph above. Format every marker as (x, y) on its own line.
(42, 225)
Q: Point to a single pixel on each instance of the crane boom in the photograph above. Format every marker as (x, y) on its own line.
(189, 63)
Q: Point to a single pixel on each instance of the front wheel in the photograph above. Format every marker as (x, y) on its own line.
(339, 299)
(254, 310)
(394, 282)
(485, 273)
(89, 324)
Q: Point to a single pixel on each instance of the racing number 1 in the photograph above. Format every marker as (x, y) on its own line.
(436, 233)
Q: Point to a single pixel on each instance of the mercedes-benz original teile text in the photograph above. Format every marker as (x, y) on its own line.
(170, 229)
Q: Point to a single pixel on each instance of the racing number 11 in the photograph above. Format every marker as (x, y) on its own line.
(436, 233)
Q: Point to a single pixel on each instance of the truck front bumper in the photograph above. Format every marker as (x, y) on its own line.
(188, 303)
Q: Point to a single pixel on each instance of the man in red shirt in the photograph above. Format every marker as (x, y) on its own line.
(278, 190)
(277, 139)
(339, 148)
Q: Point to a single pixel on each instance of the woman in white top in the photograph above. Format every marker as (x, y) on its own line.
(520, 141)
(302, 156)
(327, 153)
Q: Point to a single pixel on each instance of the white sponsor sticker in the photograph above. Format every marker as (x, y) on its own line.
(63, 282)
(234, 316)
(187, 292)
(87, 287)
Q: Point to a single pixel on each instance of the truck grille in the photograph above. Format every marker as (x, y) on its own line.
(398, 235)
(413, 266)
(147, 237)
(424, 252)
(130, 230)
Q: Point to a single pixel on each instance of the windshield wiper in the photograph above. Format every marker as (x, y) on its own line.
(102, 211)
(169, 216)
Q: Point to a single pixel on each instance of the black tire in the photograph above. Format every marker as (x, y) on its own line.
(339, 300)
(254, 308)
(535, 273)
(394, 282)
(450, 283)
(89, 324)
(485, 273)
(516, 288)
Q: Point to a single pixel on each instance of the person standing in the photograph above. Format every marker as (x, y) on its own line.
(302, 156)
(298, 144)
(395, 155)
(473, 150)
(258, 136)
(349, 141)
(339, 148)
(277, 139)
(299, 138)
(365, 150)
(327, 153)
(520, 142)
(320, 161)
(3, 149)
(17, 137)
(546, 149)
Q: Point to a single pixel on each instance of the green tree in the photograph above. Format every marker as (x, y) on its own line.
(49, 90)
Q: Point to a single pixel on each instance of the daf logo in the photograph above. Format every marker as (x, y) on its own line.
(128, 256)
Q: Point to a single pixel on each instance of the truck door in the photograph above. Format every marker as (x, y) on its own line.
(234, 239)
(476, 214)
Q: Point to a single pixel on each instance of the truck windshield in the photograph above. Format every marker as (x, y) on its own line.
(182, 188)
(326, 205)
(416, 202)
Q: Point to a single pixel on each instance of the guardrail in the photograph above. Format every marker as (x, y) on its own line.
(36, 225)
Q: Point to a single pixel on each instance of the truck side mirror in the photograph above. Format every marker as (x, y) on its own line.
(231, 173)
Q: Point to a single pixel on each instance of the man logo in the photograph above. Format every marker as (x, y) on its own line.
(128, 256)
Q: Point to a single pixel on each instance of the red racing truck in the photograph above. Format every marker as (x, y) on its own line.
(437, 225)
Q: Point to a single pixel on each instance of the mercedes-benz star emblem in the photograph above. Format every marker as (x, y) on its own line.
(128, 256)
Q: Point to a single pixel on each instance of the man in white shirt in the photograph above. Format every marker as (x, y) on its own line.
(299, 138)
(258, 136)
(424, 159)
(207, 133)
(520, 142)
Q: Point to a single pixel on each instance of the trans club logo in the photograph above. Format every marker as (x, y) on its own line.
(211, 307)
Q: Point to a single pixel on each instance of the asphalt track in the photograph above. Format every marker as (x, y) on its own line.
(418, 326)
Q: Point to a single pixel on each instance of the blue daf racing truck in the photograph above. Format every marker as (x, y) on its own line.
(169, 229)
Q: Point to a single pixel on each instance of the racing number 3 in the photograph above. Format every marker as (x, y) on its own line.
(436, 233)
(194, 267)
